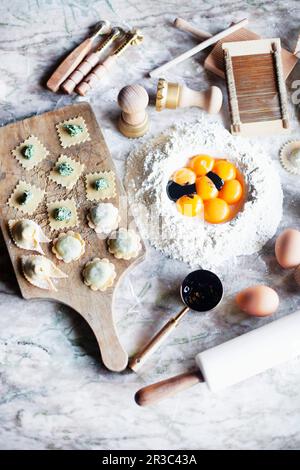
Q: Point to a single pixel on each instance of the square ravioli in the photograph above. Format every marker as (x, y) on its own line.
(30, 152)
(62, 214)
(100, 185)
(66, 172)
(72, 131)
(26, 197)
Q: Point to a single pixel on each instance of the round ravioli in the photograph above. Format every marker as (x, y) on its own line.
(124, 244)
(103, 218)
(68, 246)
(99, 274)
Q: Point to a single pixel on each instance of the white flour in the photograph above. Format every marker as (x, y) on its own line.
(191, 240)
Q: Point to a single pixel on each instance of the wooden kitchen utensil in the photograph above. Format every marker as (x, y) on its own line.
(173, 95)
(256, 87)
(200, 291)
(133, 101)
(69, 64)
(214, 62)
(95, 307)
(89, 62)
(234, 361)
(184, 25)
(200, 47)
(133, 38)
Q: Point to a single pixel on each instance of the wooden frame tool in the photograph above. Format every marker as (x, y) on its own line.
(256, 87)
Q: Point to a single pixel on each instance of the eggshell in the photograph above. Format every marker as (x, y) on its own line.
(259, 301)
(287, 248)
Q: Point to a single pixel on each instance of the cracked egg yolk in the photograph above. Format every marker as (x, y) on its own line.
(190, 206)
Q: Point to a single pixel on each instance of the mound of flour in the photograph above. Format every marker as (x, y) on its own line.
(192, 240)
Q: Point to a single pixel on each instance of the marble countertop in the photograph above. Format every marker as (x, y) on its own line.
(55, 393)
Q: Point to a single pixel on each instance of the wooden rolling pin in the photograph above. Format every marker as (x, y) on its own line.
(132, 38)
(89, 62)
(203, 45)
(183, 25)
(173, 95)
(234, 361)
(69, 64)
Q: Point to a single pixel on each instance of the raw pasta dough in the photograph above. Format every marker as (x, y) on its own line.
(69, 180)
(68, 246)
(39, 152)
(124, 244)
(103, 218)
(37, 195)
(99, 274)
(27, 234)
(39, 271)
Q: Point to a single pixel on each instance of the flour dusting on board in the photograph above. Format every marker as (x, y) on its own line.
(192, 240)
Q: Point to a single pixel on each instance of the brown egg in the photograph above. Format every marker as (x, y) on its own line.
(287, 248)
(259, 301)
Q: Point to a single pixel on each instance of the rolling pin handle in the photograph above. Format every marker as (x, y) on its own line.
(167, 388)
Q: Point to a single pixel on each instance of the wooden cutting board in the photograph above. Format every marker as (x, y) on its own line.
(95, 307)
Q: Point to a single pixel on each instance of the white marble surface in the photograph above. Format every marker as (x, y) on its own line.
(55, 394)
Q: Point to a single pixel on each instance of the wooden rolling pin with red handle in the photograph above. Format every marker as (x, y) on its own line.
(234, 361)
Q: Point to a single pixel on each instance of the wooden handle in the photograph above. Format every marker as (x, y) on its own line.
(98, 72)
(69, 64)
(82, 70)
(140, 358)
(167, 388)
(100, 319)
(211, 100)
(203, 45)
(184, 25)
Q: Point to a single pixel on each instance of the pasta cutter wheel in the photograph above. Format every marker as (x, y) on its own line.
(290, 156)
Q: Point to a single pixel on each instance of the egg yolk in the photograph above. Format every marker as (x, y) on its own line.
(216, 210)
(205, 188)
(201, 164)
(184, 176)
(231, 192)
(225, 170)
(190, 206)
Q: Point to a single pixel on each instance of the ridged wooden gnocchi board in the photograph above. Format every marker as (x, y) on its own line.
(95, 307)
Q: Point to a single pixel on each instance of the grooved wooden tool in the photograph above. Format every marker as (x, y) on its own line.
(256, 87)
(69, 64)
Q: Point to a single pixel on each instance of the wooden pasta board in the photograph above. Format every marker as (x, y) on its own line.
(215, 60)
(95, 307)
